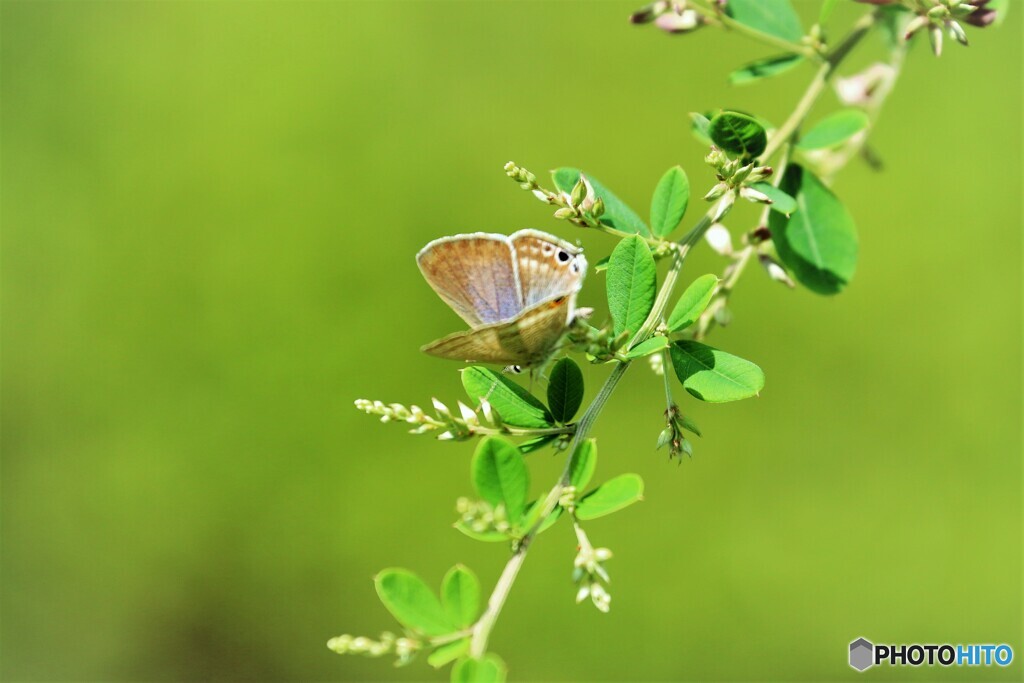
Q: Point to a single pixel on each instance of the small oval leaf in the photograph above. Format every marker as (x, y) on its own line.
(738, 134)
(565, 390)
(668, 205)
(834, 129)
(515, 405)
(617, 213)
(715, 376)
(699, 125)
(485, 536)
(411, 602)
(448, 652)
(693, 302)
(611, 496)
(489, 669)
(764, 68)
(632, 281)
(460, 596)
(773, 17)
(500, 475)
(818, 243)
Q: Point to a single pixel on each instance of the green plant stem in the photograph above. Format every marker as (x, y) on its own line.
(834, 58)
(484, 625)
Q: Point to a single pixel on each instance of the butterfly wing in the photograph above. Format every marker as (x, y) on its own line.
(526, 340)
(476, 274)
(548, 267)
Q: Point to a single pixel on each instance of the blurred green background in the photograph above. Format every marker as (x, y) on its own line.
(210, 212)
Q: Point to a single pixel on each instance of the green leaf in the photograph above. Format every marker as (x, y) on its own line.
(584, 462)
(632, 280)
(536, 443)
(764, 68)
(617, 213)
(668, 205)
(715, 376)
(834, 129)
(448, 652)
(411, 602)
(699, 124)
(489, 669)
(611, 496)
(738, 134)
(460, 596)
(773, 17)
(485, 536)
(647, 347)
(500, 475)
(781, 201)
(826, 10)
(692, 303)
(565, 390)
(515, 405)
(818, 243)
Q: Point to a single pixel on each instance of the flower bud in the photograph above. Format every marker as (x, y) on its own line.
(565, 213)
(723, 207)
(719, 239)
(752, 195)
(679, 22)
(915, 25)
(958, 33)
(938, 13)
(935, 38)
(716, 192)
(775, 271)
(579, 192)
(597, 210)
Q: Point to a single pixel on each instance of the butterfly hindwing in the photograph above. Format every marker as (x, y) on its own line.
(526, 340)
(477, 275)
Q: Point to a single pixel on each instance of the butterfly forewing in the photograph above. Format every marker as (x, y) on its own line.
(548, 267)
(476, 275)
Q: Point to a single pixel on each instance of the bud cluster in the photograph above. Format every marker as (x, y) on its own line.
(734, 175)
(589, 573)
(599, 344)
(482, 517)
(581, 206)
(945, 17)
(671, 17)
(672, 436)
(403, 648)
(467, 423)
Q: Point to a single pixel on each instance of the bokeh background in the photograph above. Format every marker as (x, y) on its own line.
(210, 212)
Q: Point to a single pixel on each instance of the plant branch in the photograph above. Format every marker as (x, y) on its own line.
(731, 24)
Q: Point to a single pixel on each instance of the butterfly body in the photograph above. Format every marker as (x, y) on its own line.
(517, 293)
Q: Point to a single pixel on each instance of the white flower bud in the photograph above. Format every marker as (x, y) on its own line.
(719, 239)
(602, 554)
(681, 22)
(776, 272)
(582, 593)
(752, 195)
(441, 408)
(723, 207)
(468, 415)
(542, 195)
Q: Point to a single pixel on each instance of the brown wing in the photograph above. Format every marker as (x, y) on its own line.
(475, 274)
(525, 341)
(548, 267)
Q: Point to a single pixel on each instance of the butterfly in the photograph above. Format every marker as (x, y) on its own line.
(517, 293)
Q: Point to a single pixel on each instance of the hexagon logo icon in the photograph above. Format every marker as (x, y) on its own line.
(862, 654)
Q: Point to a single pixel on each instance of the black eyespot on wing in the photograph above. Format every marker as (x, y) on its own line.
(563, 256)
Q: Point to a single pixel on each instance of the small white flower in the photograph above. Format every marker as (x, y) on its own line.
(719, 239)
